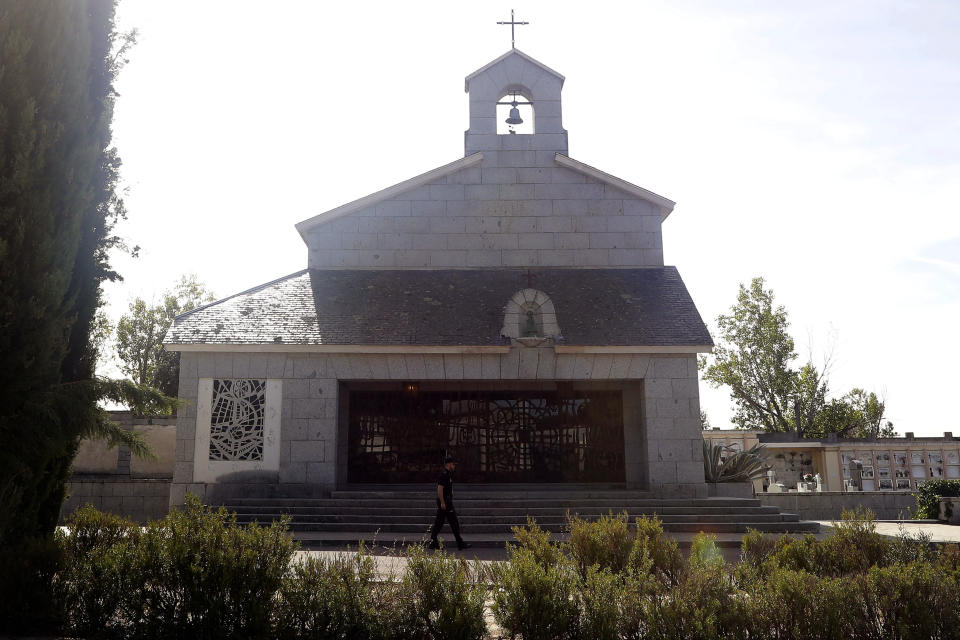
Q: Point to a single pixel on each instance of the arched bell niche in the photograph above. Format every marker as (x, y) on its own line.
(530, 316)
(515, 112)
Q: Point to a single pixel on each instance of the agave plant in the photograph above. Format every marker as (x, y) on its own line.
(739, 466)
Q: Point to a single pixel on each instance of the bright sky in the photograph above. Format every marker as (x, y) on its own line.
(816, 144)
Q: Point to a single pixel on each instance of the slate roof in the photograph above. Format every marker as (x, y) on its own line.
(595, 307)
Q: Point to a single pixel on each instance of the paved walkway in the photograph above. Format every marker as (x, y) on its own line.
(937, 532)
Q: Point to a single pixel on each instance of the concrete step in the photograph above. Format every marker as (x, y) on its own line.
(548, 521)
(384, 530)
(499, 503)
(393, 516)
(487, 494)
(429, 509)
(730, 542)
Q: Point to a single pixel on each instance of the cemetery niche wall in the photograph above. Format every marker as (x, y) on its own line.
(511, 308)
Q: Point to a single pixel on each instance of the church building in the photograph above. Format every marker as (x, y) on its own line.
(510, 308)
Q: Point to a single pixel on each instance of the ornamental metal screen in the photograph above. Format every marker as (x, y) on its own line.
(236, 419)
(496, 436)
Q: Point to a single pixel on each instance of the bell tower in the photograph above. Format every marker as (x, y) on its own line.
(525, 95)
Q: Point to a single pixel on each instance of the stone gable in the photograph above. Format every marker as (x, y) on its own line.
(517, 207)
(537, 214)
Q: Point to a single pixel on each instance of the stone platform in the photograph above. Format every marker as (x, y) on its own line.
(393, 518)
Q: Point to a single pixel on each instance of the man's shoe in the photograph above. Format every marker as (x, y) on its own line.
(434, 544)
(463, 545)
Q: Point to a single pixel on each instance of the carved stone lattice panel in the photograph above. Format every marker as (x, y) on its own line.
(236, 420)
(496, 436)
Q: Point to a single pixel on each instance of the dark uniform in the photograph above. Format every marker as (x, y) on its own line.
(449, 514)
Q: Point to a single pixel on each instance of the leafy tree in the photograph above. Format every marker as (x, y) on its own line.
(858, 414)
(140, 335)
(704, 421)
(58, 208)
(755, 357)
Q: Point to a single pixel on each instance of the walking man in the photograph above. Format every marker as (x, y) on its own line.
(445, 509)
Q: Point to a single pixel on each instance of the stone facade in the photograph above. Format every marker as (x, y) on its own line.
(515, 206)
(513, 202)
(902, 462)
(829, 505)
(662, 431)
(538, 215)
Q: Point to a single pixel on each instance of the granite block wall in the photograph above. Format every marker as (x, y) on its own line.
(139, 499)
(829, 505)
(662, 431)
(493, 216)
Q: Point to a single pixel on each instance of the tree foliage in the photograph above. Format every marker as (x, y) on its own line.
(141, 330)
(755, 358)
(58, 208)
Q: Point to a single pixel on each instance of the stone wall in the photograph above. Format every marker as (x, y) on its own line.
(531, 213)
(518, 208)
(139, 499)
(96, 457)
(113, 480)
(828, 505)
(663, 450)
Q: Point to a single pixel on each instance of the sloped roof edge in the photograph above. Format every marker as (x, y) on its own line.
(390, 192)
(666, 205)
(259, 287)
(466, 81)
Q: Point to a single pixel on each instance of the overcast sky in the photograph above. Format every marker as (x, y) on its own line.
(816, 144)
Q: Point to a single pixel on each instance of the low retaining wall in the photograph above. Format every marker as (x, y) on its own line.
(140, 499)
(828, 505)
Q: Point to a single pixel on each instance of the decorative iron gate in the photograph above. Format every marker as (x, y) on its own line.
(496, 436)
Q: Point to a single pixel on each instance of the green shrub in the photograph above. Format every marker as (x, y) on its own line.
(756, 548)
(605, 543)
(336, 597)
(704, 553)
(907, 549)
(534, 599)
(636, 593)
(703, 605)
(601, 614)
(914, 601)
(853, 547)
(653, 551)
(798, 605)
(796, 554)
(201, 575)
(929, 494)
(98, 575)
(27, 574)
(537, 541)
(440, 599)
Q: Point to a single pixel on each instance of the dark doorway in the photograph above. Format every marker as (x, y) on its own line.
(401, 436)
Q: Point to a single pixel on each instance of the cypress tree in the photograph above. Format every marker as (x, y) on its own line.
(58, 205)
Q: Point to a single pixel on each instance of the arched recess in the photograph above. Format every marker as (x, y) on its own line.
(524, 104)
(530, 314)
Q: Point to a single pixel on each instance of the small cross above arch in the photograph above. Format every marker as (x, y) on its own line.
(512, 23)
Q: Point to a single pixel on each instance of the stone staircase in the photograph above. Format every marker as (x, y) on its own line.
(486, 516)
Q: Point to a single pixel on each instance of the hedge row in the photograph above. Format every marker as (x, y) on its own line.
(198, 574)
(929, 494)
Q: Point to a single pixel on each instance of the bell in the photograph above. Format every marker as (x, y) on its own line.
(514, 116)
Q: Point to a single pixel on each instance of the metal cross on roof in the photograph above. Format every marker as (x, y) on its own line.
(529, 279)
(512, 23)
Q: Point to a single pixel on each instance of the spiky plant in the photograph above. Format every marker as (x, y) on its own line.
(739, 466)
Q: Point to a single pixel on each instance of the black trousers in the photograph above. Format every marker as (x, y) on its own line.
(450, 516)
